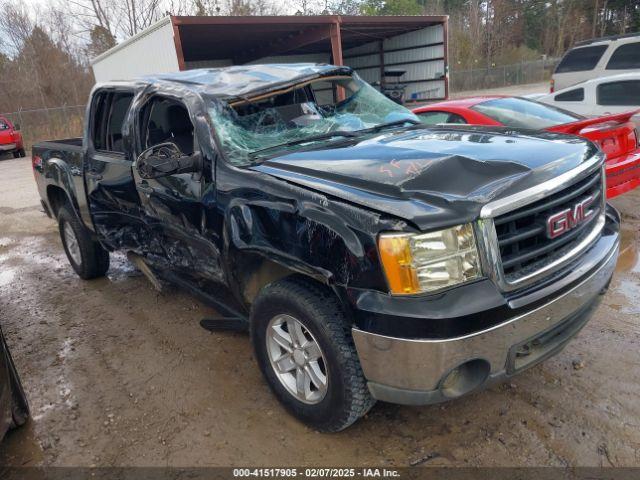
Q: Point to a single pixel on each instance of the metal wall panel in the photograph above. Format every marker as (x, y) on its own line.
(207, 64)
(420, 53)
(423, 36)
(423, 91)
(308, 58)
(390, 58)
(151, 51)
(366, 48)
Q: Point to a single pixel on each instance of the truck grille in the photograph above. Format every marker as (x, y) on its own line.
(522, 234)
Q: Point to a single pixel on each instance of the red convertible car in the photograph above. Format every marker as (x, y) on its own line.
(616, 135)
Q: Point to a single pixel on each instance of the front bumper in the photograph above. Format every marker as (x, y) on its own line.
(623, 173)
(424, 371)
(8, 147)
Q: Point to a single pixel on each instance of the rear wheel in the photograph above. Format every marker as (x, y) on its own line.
(86, 256)
(22, 153)
(303, 345)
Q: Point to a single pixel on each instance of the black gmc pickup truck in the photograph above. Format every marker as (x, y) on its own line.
(372, 257)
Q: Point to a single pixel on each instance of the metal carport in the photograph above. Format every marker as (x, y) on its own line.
(369, 44)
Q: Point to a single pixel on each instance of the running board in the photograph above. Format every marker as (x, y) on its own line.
(230, 319)
(225, 325)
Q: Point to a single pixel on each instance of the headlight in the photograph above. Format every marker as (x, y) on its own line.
(426, 262)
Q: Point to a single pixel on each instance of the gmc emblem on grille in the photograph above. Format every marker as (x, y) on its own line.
(561, 222)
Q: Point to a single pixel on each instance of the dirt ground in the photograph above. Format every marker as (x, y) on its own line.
(118, 375)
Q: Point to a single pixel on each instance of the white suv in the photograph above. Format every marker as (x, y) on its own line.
(597, 58)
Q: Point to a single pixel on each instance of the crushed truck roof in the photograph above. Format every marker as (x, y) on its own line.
(241, 80)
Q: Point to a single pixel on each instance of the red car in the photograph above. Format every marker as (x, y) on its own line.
(11, 138)
(616, 134)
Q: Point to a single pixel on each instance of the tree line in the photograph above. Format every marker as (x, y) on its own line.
(45, 53)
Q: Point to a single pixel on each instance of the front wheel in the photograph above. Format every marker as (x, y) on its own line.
(304, 348)
(86, 256)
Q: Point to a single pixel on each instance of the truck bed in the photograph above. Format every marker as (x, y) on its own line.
(59, 166)
(67, 144)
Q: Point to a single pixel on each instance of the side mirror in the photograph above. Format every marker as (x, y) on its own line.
(166, 159)
(16, 126)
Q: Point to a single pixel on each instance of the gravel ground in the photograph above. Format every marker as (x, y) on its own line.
(119, 375)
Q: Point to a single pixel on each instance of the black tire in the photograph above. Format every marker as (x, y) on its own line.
(22, 153)
(93, 260)
(347, 397)
(16, 154)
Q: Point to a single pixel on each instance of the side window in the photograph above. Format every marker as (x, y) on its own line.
(110, 110)
(98, 125)
(625, 93)
(581, 59)
(166, 120)
(454, 118)
(625, 57)
(575, 95)
(436, 117)
(120, 104)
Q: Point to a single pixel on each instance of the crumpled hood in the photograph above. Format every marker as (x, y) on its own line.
(433, 177)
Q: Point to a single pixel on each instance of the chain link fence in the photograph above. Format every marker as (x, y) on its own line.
(67, 121)
(504, 76)
(48, 123)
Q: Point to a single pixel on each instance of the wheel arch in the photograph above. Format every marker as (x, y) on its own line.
(57, 197)
(60, 187)
(252, 270)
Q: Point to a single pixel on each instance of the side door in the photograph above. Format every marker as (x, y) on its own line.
(113, 199)
(617, 96)
(576, 100)
(172, 205)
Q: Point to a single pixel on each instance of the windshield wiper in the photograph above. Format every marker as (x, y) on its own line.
(396, 123)
(315, 138)
(337, 133)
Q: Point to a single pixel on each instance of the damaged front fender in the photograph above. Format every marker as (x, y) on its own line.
(295, 230)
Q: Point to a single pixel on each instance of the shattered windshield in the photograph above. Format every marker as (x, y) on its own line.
(312, 113)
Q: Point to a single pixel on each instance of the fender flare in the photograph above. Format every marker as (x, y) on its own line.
(59, 176)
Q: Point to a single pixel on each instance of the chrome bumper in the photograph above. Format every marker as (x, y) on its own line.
(411, 371)
(7, 147)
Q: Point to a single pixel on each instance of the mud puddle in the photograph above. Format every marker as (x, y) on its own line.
(629, 261)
